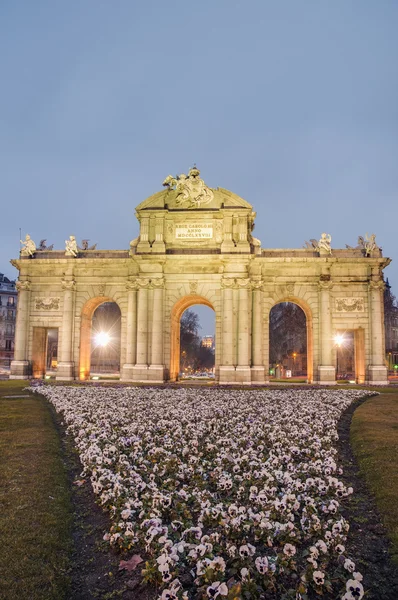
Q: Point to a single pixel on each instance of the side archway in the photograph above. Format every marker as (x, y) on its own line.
(176, 313)
(309, 330)
(88, 311)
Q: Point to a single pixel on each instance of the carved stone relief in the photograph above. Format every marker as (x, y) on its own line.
(350, 305)
(47, 303)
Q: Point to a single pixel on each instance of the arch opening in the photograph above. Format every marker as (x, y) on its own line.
(349, 355)
(100, 339)
(192, 351)
(290, 341)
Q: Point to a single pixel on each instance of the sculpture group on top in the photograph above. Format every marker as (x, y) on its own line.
(367, 244)
(29, 247)
(191, 189)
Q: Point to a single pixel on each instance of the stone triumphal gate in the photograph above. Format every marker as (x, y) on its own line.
(195, 246)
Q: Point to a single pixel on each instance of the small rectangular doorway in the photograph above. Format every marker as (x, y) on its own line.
(44, 351)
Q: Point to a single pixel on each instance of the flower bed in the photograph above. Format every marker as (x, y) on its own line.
(232, 494)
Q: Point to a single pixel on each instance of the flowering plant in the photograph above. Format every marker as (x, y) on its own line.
(232, 494)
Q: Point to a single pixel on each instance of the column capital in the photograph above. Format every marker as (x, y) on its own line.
(227, 282)
(243, 283)
(23, 285)
(143, 282)
(68, 284)
(377, 285)
(325, 283)
(131, 286)
(256, 285)
(158, 282)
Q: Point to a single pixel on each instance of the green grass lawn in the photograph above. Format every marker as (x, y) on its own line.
(374, 439)
(35, 508)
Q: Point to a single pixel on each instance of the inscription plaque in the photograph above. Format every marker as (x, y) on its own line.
(193, 231)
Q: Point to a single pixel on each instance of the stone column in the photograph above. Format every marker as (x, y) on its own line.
(131, 331)
(65, 369)
(20, 366)
(377, 371)
(140, 370)
(243, 373)
(227, 369)
(257, 370)
(326, 370)
(156, 369)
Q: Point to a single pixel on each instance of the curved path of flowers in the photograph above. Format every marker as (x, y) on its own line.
(233, 494)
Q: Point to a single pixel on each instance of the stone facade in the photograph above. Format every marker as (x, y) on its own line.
(196, 247)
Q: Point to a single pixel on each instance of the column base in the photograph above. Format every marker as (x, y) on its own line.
(258, 375)
(127, 372)
(155, 374)
(159, 247)
(327, 375)
(140, 373)
(243, 375)
(227, 375)
(20, 369)
(377, 375)
(65, 371)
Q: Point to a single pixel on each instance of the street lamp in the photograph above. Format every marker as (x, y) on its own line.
(338, 340)
(294, 363)
(102, 338)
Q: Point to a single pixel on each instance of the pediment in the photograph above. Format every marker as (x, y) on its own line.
(155, 201)
(229, 199)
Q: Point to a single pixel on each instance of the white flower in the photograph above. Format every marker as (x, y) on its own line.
(349, 565)
(246, 550)
(319, 577)
(354, 590)
(261, 563)
(289, 549)
(244, 573)
(217, 589)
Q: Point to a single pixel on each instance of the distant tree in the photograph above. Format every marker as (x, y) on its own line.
(192, 353)
(287, 331)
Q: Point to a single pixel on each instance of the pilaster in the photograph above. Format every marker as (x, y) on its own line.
(243, 374)
(156, 368)
(257, 369)
(127, 373)
(326, 370)
(20, 366)
(227, 368)
(140, 369)
(377, 371)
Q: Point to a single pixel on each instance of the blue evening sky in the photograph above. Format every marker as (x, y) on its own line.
(292, 104)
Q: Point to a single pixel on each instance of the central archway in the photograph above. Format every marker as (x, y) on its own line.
(176, 313)
(309, 332)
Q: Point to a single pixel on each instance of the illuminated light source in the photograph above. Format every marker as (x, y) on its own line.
(102, 338)
(339, 339)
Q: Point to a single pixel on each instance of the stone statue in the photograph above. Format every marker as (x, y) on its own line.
(360, 244)
(29, 247)
(190, 189)
(311, 245)
(71, 248)
(370, 244)
(366, 244)
(324, 243)
(42, 246)
(85, 246)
